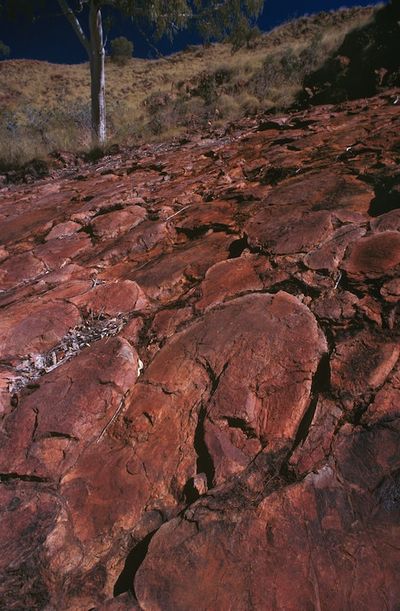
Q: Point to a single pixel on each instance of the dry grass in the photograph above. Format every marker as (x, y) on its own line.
(45, 106)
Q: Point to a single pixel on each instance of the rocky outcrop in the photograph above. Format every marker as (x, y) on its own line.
(199, 374)
(367, 62)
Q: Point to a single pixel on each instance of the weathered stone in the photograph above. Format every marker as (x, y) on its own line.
(390, 291)
(315, 449)
(124, 602)
(70, 409)
(335, 306)
(140, 239)
(113, 224)
(23, 220)
(132, 330)
(362, 363)
(329, 253)
(283, 236)
(63, 230)
(169, 278)
(374, 256)
(35, 327)
(19, 269)
(371, 309)
(311, 544)
(213, 435)
(386, 404)
(28, 515)
(386, 222)
(165, 324)
(198, 217)
(3, 253)
(57, 253)
(227, 279)
(155, 439)
(112, 299)
(6, 379)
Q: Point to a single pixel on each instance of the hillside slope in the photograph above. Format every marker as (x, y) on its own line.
(366, 62)
(199, 374)
(46, 106)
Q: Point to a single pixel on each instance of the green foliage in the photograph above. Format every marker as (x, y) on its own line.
(207, 88)
(213, 19)
(243, 35)
(209, 84)
(121, 50)
(165, 16)
(223, 74)
(288, 67)
(219, 20)
(4, 49)
(158, 106)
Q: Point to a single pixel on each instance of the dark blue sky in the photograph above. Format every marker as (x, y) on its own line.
(51, 38)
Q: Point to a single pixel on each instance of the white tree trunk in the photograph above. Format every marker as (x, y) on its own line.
(97, 73)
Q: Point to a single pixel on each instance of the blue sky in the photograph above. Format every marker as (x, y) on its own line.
(51, 37)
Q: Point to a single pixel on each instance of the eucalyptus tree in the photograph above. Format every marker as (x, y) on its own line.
(213, 19)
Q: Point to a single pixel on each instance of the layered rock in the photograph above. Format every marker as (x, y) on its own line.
(199, 372)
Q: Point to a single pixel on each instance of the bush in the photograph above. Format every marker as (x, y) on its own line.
(244, 35)
(159, 105)
(286, 68)
(38, 131)
(228, 107)
(121, 50)
(195, 113)
(223, 74)
(249, 104)
(4, 49)
(207, 88)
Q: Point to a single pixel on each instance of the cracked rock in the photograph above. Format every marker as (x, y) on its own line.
(199, 372)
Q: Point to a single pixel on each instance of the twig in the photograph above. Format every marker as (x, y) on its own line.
(179, 211)
(112, 419)
(338, 280)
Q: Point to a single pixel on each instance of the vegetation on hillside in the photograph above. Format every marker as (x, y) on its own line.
(121, 50)
(46, 107)
(210, 19)
(4, 49)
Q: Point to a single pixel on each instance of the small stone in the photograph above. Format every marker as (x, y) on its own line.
(390, 291)
(200, 483)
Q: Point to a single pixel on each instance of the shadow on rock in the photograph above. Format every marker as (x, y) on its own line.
(367, 62)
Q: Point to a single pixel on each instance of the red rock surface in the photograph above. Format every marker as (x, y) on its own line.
(199, 372)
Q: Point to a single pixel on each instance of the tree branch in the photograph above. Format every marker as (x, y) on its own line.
(70, 15)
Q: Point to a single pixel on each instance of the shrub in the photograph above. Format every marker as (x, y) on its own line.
(207, 88)
(4, 49)
(195, 113)
(223, 74)
(228, 107)
(121, 50)
(244, 35)
(249, 104)
(158, 105)
(208, 84)
(286, 68)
